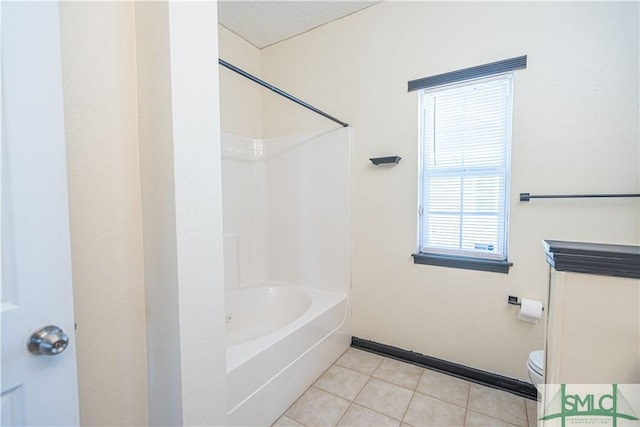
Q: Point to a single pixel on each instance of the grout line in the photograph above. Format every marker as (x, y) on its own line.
(308, 388)
(345, 413)
(284, 414)
(332, 394)
(353, 402)
(377, 412)
(349, 369)
(363, 387)
(466, 409)
(534, 422)
(414, 391)
(378, 365)
(404, 414)
(487, 379)
(363, 373)
(526, 414)
(497, 417)
(394, 384)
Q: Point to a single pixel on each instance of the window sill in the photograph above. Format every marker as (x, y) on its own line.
(453, 261)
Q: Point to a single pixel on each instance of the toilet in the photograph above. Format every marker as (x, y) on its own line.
(535, 366)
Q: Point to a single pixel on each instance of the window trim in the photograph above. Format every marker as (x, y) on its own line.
(479, 71)
(468, 263)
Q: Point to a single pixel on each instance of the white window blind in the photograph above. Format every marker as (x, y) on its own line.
(466, 131)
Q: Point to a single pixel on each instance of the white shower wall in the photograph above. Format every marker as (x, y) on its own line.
(244, 210)
(286, 209)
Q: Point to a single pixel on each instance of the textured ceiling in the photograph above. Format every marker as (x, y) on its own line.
(265, 22)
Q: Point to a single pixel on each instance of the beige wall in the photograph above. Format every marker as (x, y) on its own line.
(158, 215)
(99, 80)
(143, 152)
(575, 130)
(242, 113)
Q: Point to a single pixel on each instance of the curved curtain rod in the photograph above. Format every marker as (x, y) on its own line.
(279, 91)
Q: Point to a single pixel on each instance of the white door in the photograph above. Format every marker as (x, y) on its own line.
(36, 262)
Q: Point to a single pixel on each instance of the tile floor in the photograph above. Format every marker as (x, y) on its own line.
(364, 389)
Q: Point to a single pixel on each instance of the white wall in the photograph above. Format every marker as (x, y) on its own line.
(242, 114)
(99, 77)
(195, 109)
(181, 194)
(575, 130)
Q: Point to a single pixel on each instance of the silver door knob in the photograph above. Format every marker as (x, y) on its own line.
(49, 341)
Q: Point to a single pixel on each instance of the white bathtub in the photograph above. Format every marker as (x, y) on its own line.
(280, 338)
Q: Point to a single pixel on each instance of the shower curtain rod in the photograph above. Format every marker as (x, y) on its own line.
(279, 91)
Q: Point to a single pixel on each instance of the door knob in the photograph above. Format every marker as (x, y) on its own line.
(49, 341)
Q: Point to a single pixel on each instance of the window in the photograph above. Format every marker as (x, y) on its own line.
(466, 131)
(465, 141)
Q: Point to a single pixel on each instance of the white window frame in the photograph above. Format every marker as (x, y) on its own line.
(479, 260)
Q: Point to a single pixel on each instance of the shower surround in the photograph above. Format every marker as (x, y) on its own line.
(287, 242)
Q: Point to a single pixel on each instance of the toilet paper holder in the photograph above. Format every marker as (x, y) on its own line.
(514, 301)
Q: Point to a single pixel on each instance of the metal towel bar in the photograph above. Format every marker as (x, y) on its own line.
(525, 197)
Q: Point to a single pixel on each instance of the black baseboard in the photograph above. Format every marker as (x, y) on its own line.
(489, 379)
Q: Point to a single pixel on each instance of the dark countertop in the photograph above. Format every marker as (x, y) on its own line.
(594, 258)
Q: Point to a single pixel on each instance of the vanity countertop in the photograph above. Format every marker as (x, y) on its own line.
(594, 258)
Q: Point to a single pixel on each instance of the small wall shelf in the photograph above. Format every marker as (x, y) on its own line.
(391, 160)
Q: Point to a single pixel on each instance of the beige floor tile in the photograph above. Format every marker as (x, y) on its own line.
(358, 360)
(342, 382)
(532, 412)
(475, 419)
(387, 396)
(444, 387)
(285, 421)
(498, 404)
(400, 373)
(381, 396)
(359, 416)
(318, 408)
(428, 411)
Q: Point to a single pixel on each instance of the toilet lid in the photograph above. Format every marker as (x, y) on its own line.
(536, 361)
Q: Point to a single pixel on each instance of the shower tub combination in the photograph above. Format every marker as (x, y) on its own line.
(280, 338)
(287, 271)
